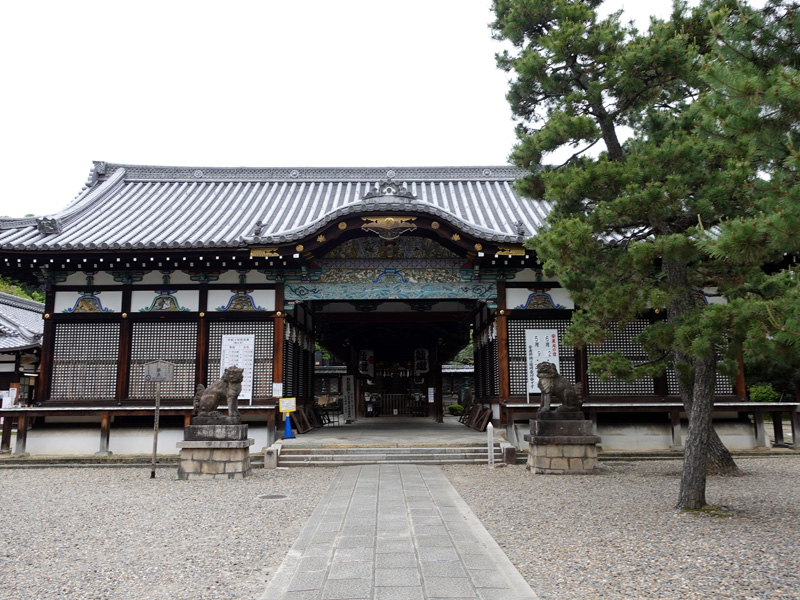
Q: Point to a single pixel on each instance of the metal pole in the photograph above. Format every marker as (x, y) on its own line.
(155, 429)
(490, 442)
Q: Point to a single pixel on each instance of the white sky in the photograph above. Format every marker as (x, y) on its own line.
(247, 83)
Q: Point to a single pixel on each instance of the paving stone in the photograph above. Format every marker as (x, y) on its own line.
(396, 560)
(399, 593)
(397, 577)
(350, 570)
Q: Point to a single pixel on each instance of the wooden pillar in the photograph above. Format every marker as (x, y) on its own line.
(271, 432)
(277, 342)
(438, 404)
(777, 427)
(758, 424)
(124, 359)
(22, 436)
(740, 388)
(501, 322)
(5, 441)
(675, 422)
(794, 415)
(105, 433)
(44, 385)
(201, 358)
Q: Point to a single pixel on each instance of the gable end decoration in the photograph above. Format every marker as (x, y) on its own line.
(390, 189)
(388, 228)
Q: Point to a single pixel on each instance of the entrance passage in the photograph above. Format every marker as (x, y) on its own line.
(395, 350)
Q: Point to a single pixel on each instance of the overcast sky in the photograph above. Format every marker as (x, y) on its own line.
(243, 83)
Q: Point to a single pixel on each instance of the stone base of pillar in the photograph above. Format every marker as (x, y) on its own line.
(205, 456)
(562, 447)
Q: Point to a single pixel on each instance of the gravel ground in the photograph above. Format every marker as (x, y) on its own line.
(616, 536)
(114, 533)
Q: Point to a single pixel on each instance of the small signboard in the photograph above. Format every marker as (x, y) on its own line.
(349, 398)
(288, 405)
(541, 345)
(159, 370)
(431, 395)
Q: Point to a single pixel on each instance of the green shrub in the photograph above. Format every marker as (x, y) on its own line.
(763, 392)
(455, 409)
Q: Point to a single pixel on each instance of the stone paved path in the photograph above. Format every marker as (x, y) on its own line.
(395, 532)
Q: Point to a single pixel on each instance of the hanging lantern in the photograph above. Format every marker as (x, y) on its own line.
(421, 361)
(366, 362)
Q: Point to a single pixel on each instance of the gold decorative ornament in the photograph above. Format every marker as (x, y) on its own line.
(435, 225)
(202, 314)
(278, 314)
(478, 247)
(388, 228)
(46, 315)
(320, 238)
(124, 315)
(342, 225)
(511, 250)
(456, 237)
(264, 253)
(299, 247)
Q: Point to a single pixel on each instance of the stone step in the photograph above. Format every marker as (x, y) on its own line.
(308, 456)
(349, 463)
(398, 451)
(386, 457)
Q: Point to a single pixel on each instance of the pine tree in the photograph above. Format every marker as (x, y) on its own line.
(626, 231)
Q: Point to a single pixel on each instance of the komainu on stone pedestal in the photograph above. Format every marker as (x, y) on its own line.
(207, 400)
(561, 440)
(555, 387)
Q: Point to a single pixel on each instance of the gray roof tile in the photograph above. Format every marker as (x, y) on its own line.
(21, 324)
(135, 206)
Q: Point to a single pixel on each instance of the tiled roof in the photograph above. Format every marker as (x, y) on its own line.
(130, 206)
(21, 324)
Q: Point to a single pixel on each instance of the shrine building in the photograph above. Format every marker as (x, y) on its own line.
(391, 271)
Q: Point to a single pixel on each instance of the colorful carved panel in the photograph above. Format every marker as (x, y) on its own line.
(88, 302)
(405, 247)
(389, 290)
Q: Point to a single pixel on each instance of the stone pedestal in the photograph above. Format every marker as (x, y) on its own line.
(215, 452)
(562, 443)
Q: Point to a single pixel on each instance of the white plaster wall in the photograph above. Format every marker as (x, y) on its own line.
(644, 437)
(123, 441)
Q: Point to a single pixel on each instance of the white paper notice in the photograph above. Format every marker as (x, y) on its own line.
(239, 351)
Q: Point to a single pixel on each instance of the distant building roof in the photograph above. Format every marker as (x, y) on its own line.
(21, 324)
(150, 207)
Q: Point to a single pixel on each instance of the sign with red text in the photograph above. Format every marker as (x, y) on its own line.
(541, 345)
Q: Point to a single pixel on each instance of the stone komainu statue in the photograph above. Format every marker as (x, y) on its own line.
(227, 389)
(555, 387)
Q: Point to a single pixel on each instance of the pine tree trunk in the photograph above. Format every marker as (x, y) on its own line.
(695, 457)
(697, 395)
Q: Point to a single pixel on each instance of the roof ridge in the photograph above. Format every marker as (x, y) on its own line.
(162, 172)
(11, 300)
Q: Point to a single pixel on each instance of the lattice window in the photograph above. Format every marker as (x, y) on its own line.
(724, 386)
(85, 357)
(262, 367)
(622, 342)
(172, 342)
(517, 366)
